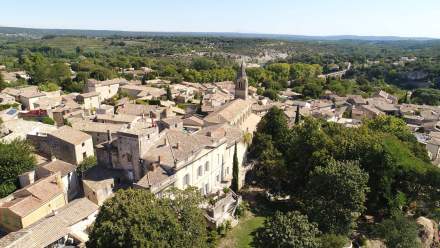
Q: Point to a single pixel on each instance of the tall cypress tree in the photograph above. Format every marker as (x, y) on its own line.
(234, 184)
(169, 95)
(144, 79)
(297, 115)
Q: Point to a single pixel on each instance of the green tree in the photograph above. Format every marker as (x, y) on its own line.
(297, 115)
(59, 72)
(48, 87)
(47, 120)
(399, 232)
(86, 164)
(202, 63)
(235, 171)
(280, 72)
(274, 123)
(426, 96)
(300, 72)
(336, 196)
(16, 158)
(257, 75)
(312, 90)
(272, 94)
(290, 230)
(269, 169)
(169, 95)
(79, 50)
(334, 241)
(3, 84)
(144, 79)
(137, 218)
(101, 74)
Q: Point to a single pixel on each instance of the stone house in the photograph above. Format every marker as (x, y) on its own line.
(68, 173)
(106, 89)
(65, 227)
(70, 145)
(32, 203)
(98, 131)
(98, 191)
(90, 101)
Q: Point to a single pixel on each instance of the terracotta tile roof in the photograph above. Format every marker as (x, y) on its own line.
(107, 82)
(31, 94)
(177, 146)
(193, 121)
(228, 112)
(154, 177)
(96, 127)
(70, 135)
(52, 228)
(90, 94)
(59, 166)
(121, 118)
(138, 109)
(33, 196)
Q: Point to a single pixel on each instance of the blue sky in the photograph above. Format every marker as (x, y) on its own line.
(412, 18)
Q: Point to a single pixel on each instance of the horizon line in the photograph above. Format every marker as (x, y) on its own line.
(230, 32)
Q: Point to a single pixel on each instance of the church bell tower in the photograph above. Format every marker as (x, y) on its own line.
(241, 83)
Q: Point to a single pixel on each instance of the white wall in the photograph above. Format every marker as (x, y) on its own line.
(80, 150)
(220, 165)
(71, 185)
(107, 91)
(214, 159)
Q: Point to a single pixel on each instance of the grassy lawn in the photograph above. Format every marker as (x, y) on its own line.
(241, 235)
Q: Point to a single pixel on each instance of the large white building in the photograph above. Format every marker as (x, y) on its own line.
(157, 159)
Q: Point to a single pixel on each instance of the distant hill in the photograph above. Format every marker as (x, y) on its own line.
(38, 33)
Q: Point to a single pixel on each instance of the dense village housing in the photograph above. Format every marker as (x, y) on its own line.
(151, 147)
(219, 142)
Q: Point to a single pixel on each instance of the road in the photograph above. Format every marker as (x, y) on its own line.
(337, 74)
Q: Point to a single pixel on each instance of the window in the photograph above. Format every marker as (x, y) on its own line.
(129, 158)
(186, 180)
(83, 144)
(200, 171)
(84, 155)
(207, 166)
(218, 178)
(206, 188)
(227, 170)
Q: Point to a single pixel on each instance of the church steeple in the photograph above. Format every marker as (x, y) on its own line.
(241, 83)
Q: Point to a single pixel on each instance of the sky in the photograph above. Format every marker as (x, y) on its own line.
(408, 18)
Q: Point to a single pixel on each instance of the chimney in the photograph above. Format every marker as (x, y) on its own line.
(165, 142)
(53, 158)
(177, 145)
(158, 159)
(27, 178)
